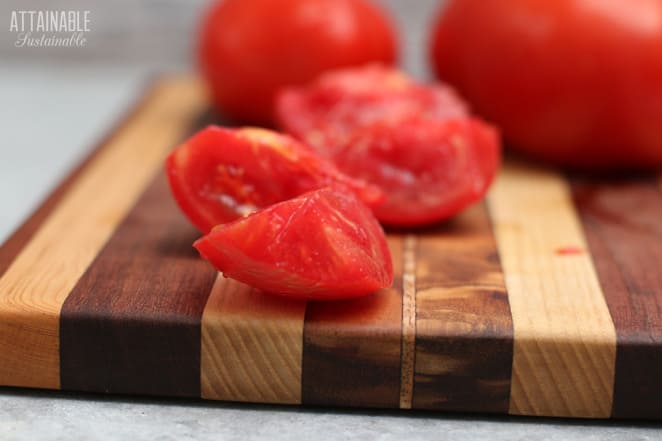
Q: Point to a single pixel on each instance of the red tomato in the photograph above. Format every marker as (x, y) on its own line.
(323, 245)
(249, 48)
(574, 82)
(325, 112)
(429, 170)
(221, 174)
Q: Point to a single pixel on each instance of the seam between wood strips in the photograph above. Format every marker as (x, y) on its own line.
(408, 321)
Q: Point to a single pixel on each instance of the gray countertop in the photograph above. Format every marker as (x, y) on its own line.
(50, 117)
(42, 415)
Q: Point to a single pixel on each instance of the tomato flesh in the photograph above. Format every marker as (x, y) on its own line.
(325, 113)
(322, 245)
(430, 170)
(416, 142)
(221, 174)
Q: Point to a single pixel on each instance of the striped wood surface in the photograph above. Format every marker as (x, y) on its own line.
(546, 299)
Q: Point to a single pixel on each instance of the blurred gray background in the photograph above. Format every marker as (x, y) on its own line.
(159, 34)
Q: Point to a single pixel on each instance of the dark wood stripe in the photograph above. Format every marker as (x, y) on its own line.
(132, 323)
(623, 225)
(351, 349)
(19, 238)
(464, 346)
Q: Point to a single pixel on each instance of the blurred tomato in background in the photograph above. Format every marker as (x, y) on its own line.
(250, 48)
(574, 82)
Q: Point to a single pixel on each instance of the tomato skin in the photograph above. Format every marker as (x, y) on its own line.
(429, 170)
(220, 174)
(247, 49)
(322, 245)
(574, 82)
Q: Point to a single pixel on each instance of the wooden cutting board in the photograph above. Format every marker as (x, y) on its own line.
(546, 299)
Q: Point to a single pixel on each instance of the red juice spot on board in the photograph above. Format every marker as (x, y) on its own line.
(569, 251)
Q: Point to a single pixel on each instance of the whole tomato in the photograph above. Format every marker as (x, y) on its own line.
(250, 48)
(574, 82)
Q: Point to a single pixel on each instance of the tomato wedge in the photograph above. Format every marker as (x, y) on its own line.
(322, 245)
(429, 170)
(220, 174)
(325, 113)
(416, 142)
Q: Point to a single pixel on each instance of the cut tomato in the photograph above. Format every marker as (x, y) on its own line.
(322, 245)
(325, 113)
(429, 170)
(221, 174)
(416, 142)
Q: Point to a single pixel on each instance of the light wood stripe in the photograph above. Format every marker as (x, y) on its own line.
(34, 287)
(408, 321)
(252, 345)
(565, 342)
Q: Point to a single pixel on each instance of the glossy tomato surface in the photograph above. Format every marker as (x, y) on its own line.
(323, 245)
(326, 112)
(429, 170)
(221, 174)
(249, 48)
(574, 82)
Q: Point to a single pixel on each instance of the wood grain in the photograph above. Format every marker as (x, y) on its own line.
(565, 342)
(351, 349)
(252, 345)
(132, 322)
(35, 285)
(464, 330)
(623, 224)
